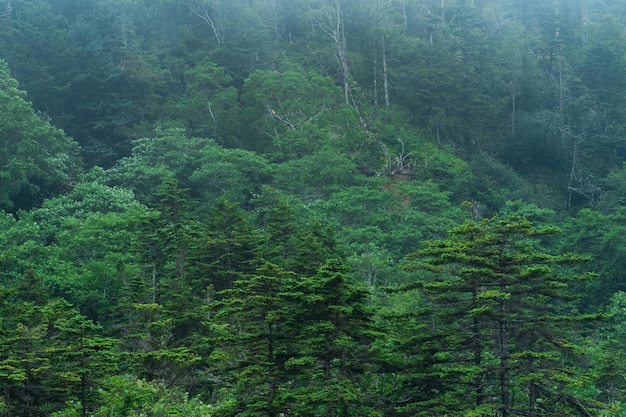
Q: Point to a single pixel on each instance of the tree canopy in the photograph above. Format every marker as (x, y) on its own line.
(38, 160)
(312, 208)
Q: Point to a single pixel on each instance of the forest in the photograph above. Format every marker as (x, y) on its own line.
(312, 208)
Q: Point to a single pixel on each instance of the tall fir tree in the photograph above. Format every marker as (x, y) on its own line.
(253, 340)
(333, 357)
(498, 315)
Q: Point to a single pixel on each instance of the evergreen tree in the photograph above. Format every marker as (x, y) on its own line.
(226, 251)
(50, 355)
(84, 357)
(161, 310)
(317, 243)
(333, 344)
(498, 315)
(278, 221)
(253, 339)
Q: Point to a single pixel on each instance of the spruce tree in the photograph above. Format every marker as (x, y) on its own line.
(335, 333)
(225, 251)
(252, 342)
(84, 358)
(498, 315)
(161, 314)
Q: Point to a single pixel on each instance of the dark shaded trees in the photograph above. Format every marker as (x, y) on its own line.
(254, 341)
(333, 344)
(290, 344)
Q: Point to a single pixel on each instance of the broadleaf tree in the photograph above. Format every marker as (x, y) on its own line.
(38, 160)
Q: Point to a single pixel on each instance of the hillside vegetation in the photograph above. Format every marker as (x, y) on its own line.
(312, 208)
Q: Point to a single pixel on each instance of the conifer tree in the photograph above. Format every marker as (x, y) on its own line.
(161, 313)
(253, 339)
(279, 222)
(227, 250)
(497, 315)
(317, 243)
(333, 344)
(84, 358)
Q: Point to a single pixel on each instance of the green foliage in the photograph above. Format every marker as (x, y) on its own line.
(87, 198)
(313, 177)
(442, 93)
(88, 69)
(607, 356)
(277, 218)
(501, 315)
(290, 344)
(599, 235)
(255, 343)
(226, 251)
(51, 355)
(157, 310)
(125, 396)
(205, 168)
(249, 151)
(210, 107)
(38, 160)
(86, 357)
(499, 183)
(603, 56)
(81, 243)
(296, 112)
(613, 197)
(379, 223)
(334, 340)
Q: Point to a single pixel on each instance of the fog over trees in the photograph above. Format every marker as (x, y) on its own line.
(312, 208)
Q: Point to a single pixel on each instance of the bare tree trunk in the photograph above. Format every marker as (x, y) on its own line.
(572, 173)
(561, 104)
(342, 54)
(383, 44)
(404, 18)
(385, 71)
(565, 132)
(516, 65)
(278, 33)
(333, 26)
(513, 97)
(443, 13)
(209, 16)
(375, 84)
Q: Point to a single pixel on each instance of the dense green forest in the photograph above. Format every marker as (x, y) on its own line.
(312, 208)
